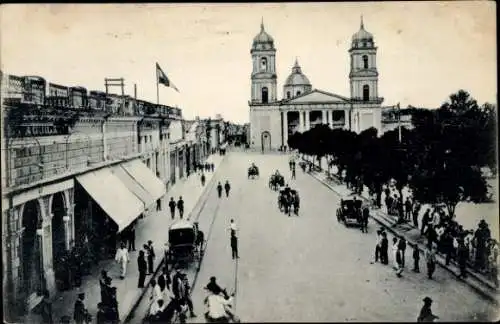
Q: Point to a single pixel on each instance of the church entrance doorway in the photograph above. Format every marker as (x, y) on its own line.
(266, 141)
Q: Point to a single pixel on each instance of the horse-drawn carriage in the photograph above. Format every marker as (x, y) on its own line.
(253, 171)
(350, 210)
(276, 181)
(288, 201)
(186, 243)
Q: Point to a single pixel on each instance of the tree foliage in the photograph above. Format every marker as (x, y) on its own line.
(440, 158)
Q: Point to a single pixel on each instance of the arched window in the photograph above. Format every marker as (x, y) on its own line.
(265, 95)
(298, 93)
(288, 94)
(263, 64)
(365, 61)
(366, 92)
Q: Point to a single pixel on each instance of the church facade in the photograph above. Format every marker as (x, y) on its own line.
(273, 120)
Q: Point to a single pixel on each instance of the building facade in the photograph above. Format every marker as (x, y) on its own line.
(272, 120)
(74, 177)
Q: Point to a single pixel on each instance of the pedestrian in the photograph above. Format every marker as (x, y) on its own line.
(462, 256)
(164, 280)
(364, 219)
(46, 308)
(172, 206)
(431, 235)
(234, 246)
(396, 259)
(384, 247)
(408, 208)
(416, 211)
(166, 253)
(122, 258)
(151, 256)
(402, 248)
(219, 189)
(158, 204)
(227, 187)
(425, 220)
(102, 315)
(131, 237)
(143, 268)
(80, 313)
(378, 246)
(203, 179)
(177, 288)
(113, 315)
(180, 206)
(426, 312)
(156, 292)
(186, 297)
(416, 258)
(104, 283)
(293, 173)
(430, 258)
(232, 227)
(212, 166)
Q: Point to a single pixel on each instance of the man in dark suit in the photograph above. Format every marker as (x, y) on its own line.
(384, 246)
(80, 314)
(180, 206)
(172, 205)
(234, 246)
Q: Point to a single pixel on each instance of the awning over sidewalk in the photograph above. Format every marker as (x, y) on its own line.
(146, 178)
(135, 187)
(113, 196)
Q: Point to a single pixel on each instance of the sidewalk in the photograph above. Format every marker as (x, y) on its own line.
(477, 281)
(153, 227)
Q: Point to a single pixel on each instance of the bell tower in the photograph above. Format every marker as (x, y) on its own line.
(263, 89)
(364, 75)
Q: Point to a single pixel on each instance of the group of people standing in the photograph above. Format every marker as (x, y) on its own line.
(399, 246)
(170, 295)
(107, 309)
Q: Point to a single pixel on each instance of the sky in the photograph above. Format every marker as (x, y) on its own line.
(426, 50)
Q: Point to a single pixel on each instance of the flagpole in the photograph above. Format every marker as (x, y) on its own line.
(157, 87)
(399, 123)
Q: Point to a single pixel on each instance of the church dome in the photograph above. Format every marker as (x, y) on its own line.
(297, 77)
(262, 37)
(362, 35)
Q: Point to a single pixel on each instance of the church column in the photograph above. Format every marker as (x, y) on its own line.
(324, 116)
(285, 128)
(330, 118)
(301, 121)
(308, 122)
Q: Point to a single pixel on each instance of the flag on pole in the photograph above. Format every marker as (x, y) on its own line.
(163, 79)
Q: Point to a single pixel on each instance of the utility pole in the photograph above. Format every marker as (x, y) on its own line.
(399, 123)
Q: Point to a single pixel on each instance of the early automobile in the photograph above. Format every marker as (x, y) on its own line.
(350, 209)
(186, 243)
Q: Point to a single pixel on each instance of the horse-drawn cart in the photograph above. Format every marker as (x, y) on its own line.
(253, 171)
(186, 243)
(276, 181)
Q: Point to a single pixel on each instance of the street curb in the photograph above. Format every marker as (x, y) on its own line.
(440, 259)
(202, 196)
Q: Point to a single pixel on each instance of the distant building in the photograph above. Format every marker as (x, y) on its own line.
(273, 120)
